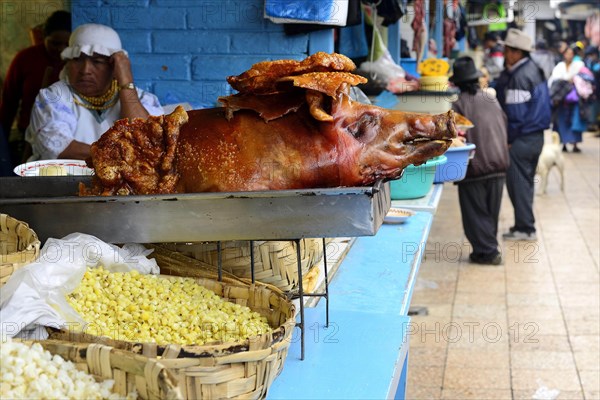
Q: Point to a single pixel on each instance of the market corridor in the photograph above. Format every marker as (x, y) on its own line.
(528, 329)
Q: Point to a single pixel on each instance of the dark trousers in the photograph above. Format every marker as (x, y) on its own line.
(524, 154)
(6, 167)
(480, 206)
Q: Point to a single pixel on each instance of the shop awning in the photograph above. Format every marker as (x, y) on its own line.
(577, 10)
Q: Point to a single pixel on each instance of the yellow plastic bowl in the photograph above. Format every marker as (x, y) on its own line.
(434, 83)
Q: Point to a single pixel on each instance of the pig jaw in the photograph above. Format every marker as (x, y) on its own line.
(387, 141)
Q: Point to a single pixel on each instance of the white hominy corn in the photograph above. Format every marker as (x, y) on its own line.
(30, 372)
(146, 308)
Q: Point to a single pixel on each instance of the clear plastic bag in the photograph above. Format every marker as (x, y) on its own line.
(35, 295)
(384, 68)
(381, 65)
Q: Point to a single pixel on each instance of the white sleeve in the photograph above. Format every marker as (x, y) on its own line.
(558, 72)
(151, 103)
(53, 122)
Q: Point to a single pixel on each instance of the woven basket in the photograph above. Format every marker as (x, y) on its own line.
(218, 370)
(275, 262)
(19, 245)
(149, 378)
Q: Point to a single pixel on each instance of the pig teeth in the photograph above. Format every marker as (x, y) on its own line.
(419, 140)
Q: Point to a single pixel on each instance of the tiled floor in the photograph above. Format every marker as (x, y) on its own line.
(529, 329)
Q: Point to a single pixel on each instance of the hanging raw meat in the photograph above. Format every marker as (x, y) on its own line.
(420, 30)
(449, 36)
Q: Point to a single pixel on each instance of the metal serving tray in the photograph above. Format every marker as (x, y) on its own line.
(52, 208)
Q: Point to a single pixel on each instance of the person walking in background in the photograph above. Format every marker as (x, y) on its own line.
(480, 193)
(561, 46)
(523, 94)
(484, 83)
(32, 69)
(493, 58)
(578, 47)
(544, 58)
(568, 121)
(95, 89)
(592, 62)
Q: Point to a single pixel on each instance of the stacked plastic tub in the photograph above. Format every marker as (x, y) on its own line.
(416, 180)
(455, 168)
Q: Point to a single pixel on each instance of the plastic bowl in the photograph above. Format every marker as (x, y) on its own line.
(416, 181)
(455, 169)
(434, 83)
(423, 101)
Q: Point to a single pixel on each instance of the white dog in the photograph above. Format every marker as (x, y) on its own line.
(551, 156)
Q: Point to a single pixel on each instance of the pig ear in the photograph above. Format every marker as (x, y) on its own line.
(315, 102)
(462, 122)
(341, 102)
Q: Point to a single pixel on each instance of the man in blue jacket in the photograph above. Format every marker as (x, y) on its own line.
(523, 94)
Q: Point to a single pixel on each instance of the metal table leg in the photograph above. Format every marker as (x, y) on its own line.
(301, 293)
(301, 297)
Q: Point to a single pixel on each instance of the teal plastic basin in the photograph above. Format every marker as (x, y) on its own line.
(416, 181)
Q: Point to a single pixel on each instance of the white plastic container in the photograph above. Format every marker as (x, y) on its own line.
(426, 102)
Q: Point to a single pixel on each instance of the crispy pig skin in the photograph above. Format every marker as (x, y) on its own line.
(328, 83)
(137, 157)
(292, 126)
(264, 76)
(362, 144)
(296, 151)
(268, 107)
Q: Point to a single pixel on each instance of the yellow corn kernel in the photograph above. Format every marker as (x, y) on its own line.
(127, 304)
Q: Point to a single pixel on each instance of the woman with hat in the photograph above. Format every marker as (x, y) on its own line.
(480, 193)
(96, 89)
(524, 97)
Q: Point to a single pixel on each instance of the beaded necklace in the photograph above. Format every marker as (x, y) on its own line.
(100, 103)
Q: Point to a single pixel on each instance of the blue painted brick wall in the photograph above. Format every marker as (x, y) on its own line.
(183, 50)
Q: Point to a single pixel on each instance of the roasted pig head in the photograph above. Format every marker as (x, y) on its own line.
(292, 126)
(385, 141)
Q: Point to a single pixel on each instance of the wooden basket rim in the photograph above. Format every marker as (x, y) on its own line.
(33, 245)
(275, 260)
(168, 382)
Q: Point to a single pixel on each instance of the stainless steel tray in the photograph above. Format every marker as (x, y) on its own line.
(51, 207)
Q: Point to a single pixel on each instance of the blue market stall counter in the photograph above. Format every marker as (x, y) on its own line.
(364, 351)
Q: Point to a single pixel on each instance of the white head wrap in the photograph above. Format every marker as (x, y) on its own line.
(90, 39)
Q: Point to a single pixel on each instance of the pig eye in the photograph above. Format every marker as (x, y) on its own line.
(364, 127)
